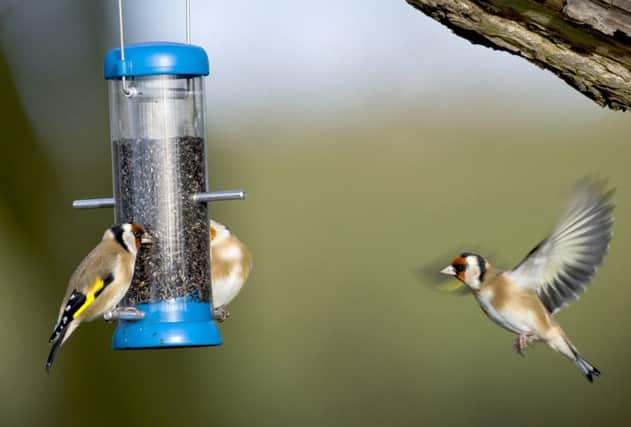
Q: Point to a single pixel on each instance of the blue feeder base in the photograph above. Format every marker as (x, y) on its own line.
(179, 322)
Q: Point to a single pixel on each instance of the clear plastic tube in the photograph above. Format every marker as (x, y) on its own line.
(159, 162)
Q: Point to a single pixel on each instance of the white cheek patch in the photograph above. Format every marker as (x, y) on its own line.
(472, 273)
(130, 241)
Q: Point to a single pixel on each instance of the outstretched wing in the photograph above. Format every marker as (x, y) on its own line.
(561, 266)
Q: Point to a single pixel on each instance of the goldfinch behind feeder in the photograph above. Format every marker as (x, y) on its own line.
(230, 265)
(99, 282)
(525, 299)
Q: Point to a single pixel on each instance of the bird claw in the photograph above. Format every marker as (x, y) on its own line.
(521, 342)
(123, 313)
(221, 313)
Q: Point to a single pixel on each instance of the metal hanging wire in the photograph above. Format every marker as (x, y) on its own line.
(188, 21)
(131, 91)
(126, 90)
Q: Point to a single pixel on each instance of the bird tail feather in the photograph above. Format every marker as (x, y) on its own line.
(54, 349)
(589, 370)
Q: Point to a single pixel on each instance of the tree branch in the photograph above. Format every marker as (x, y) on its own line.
(587, 43)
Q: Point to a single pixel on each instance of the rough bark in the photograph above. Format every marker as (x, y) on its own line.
(587, 43)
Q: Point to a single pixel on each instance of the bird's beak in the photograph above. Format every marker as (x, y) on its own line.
(449, 270)
(146, 239)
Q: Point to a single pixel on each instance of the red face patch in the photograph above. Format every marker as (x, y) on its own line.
(135, 228)
(459, 261)
(138, 232)
(460, 264)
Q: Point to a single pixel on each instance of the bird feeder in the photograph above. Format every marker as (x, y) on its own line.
(160, 179)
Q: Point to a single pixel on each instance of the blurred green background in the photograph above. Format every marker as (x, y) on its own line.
(344, 205)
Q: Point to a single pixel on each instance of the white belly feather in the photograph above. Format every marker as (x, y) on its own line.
(227, 287)
(517, 321)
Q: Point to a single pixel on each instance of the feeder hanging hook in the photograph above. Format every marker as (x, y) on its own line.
(129, 92)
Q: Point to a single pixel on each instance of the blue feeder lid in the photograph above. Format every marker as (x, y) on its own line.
(156, 58)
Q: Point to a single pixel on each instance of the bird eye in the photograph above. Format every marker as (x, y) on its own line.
(460, 267)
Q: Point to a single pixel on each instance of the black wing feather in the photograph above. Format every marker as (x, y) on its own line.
(75, 301)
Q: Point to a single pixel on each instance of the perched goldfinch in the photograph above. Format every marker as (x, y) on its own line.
(99, 282)
(525, 299)
(230, 265)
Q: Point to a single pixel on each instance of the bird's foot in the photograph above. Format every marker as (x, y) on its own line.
(521, 342)
(123, 313)
(221, 313)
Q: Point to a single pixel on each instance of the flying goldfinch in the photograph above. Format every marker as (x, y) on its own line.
(230, 265)
(99, 282)
(525, 299)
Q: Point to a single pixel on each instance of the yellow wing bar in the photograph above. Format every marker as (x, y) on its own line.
(89, 298)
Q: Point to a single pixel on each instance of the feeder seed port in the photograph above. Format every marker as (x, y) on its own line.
(220, 314)
(213, 196)
(123, 313)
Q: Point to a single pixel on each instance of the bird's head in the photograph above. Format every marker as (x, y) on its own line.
(218, 233)
(469, 268)
(129, 235)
